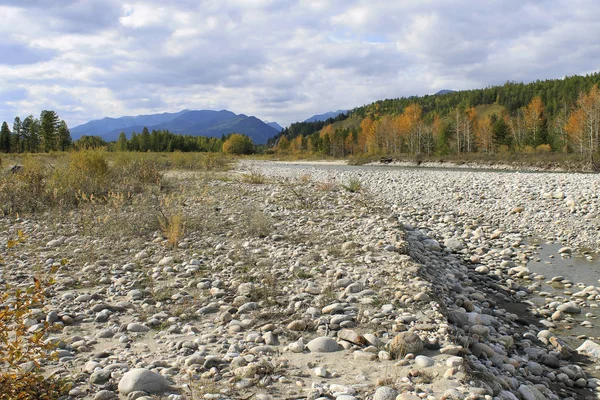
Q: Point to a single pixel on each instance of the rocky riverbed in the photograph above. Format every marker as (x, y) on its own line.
(316, 283)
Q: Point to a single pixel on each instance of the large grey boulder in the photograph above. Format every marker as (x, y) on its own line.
(141, 379)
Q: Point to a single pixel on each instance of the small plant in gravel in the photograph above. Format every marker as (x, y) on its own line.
(328, 186)
(256, 223)
(171, 221)
(254, 178)
(354, 185)
(21, 349)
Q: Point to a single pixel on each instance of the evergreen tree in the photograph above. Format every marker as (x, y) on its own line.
(122, 142)
(501, 133)
(134, 143)
(64, 136)
(31, 135)
(5, 138)
(49, 123)
(17, 135)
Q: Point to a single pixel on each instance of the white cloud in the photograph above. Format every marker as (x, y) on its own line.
(280, 60)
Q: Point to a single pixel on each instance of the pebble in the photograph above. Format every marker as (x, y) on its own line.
(424, 361)
(385, 393)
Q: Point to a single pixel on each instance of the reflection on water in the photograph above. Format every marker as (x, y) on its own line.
(578, 272)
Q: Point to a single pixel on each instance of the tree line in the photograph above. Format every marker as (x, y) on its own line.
(32, 135)
(556, 115)
(49, 133)
(165, 141)
(155, 141)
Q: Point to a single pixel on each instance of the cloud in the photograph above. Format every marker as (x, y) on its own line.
(14, 53)
(280, 60)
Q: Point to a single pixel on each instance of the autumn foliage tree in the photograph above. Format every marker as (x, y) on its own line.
(534, 120)
(484, 136)
(583, 125)
(238, 144)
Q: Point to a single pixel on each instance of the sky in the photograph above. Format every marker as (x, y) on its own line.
(279, 60)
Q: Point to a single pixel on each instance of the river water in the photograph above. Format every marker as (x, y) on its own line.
(579, 270)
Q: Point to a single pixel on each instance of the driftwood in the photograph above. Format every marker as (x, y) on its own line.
(386, 160)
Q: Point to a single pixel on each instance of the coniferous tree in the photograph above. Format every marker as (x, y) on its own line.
(64, 136)
(144, 140)
(17, 136)
(31, 134)
(122, 142)
(5, 138)
(49, 123)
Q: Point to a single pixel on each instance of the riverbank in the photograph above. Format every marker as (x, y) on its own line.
(307, 282)
(488, 219)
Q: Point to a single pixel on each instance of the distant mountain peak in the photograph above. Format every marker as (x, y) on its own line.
(325, 116)
(274, 125)
(444, 91)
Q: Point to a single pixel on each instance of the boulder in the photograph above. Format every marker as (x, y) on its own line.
(141, 379)
(404, 343)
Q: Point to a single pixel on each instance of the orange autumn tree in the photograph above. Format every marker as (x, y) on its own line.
(575, 129)
(534, 119)
(583, 125)
(349, 145)
(366, 136)
(414, 123)
(470, 128)
(401, 132)
(384, 130)
(296, 147)
(484, 135)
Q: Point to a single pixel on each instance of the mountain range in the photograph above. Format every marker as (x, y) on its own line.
(326, 116)
(186, 122)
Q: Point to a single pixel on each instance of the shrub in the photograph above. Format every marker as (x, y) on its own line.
(503, 149)
(528, 150)
(254, 177)
(238, 144)
(354, 185)
(171, 221)
(21, 349)
(24, 190)
(87, 172)
(543, 148)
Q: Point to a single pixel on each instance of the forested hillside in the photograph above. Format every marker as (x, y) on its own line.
(560, 115)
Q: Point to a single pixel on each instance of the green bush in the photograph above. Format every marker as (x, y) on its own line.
(238, 144)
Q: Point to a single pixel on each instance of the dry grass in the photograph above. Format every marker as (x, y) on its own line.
(328, 186)
(254, 178)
